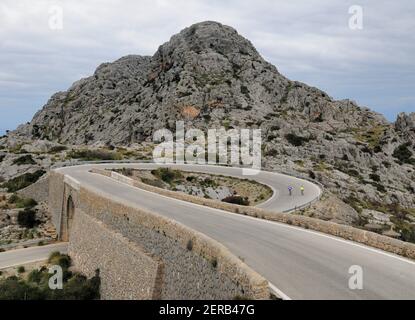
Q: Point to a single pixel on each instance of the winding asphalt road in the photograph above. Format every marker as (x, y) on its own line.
(13, 258)
(301, 264)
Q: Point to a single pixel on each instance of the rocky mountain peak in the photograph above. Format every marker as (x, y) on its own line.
(204, 38)
(405, 123)
(207, 75)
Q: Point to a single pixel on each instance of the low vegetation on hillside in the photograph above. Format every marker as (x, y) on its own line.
(23, 219)
(94, 155)
(34, 285)
(217, 187)
(23, 181)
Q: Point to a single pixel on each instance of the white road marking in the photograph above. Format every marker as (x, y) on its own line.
(278, 292)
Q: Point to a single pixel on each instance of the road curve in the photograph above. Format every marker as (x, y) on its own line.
(303, 264)
(18, 257)
(280, 201)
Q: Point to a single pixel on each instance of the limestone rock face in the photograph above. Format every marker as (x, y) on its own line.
(333, 209)
(208, 68)
(405, 123)
(40, 146)
(210, 76)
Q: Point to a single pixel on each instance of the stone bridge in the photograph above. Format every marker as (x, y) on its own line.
(142, 255)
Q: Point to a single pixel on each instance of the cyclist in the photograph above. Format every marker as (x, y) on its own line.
(302, 190)
(290, 190)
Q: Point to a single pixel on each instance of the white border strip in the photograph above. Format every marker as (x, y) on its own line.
(278, 292)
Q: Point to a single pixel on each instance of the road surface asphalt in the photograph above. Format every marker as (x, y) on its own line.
(13, 258)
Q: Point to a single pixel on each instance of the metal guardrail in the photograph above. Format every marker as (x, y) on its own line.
(72, 163)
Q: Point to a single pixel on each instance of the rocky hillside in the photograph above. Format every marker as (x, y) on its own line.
(210, 76)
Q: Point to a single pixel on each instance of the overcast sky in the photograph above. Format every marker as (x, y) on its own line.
(308, 41)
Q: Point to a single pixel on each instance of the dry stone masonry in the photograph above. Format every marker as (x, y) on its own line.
(142, 255)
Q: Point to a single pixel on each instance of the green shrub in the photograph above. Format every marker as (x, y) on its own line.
(94, 155)
(354, 202)
(208, 182)
(23, 181)
(406, 229)
(245, 91)
(53, 255)
(353, 172)
(57, 258)
(374, 177)
(79, 287)
(189, 245)
(166, 174)
(366, 149)
(26, 159)
(75, 287)
(36, 276)
(296, 140)
(237, 200)
(21, 269)
(64, 261)
(379, 187)
(271, 153)
(13, 288)
(27, 218)
(56, 149)
(154, 183)
(14, 198)
(190, 178)
(329, 138)
(22, 202)
(319, 118)
(386, 164)
(403, 154)
(214, 262)
(127, 172)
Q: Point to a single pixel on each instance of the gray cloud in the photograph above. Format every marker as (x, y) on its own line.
(309, 41)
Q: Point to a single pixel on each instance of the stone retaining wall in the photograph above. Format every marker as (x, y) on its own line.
(372, 239)
(128, 244)
(195, 266)
(126, 270)
(56, 198)
(38, 191)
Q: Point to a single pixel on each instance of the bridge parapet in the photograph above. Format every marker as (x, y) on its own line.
(143, 255)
